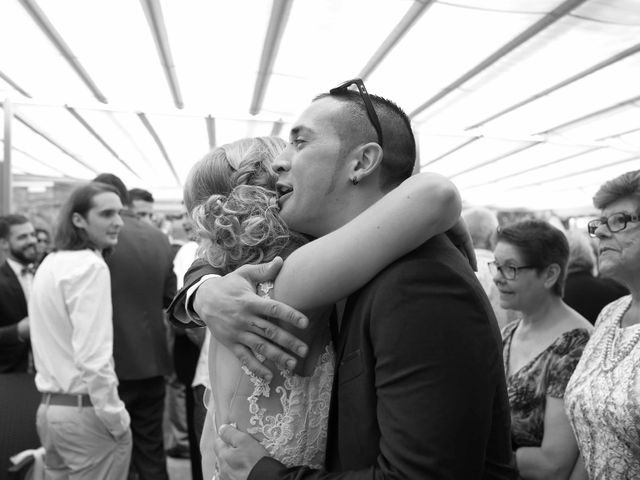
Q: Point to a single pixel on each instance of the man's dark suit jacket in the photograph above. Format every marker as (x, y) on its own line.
(420, 391)
(14, 354)
(142, 284)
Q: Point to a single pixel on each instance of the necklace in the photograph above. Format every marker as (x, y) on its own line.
(613, 354)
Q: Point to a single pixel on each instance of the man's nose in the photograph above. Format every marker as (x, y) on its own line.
(282, 162)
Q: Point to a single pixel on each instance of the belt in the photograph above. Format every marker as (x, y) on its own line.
(67, 399)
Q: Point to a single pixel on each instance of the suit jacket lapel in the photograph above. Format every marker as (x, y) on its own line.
(12, 284)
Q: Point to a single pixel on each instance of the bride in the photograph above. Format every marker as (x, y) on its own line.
(231, 196)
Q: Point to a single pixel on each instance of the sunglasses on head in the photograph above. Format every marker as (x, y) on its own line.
(371, 112)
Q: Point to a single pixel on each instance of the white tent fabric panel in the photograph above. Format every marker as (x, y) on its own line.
(521, 103)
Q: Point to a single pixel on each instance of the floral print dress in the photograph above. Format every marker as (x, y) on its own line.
(545, 375)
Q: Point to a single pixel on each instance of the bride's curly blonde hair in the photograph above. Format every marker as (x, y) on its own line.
(230, 195)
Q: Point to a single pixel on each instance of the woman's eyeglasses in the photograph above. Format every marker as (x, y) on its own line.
(615, 222)
(507, 271)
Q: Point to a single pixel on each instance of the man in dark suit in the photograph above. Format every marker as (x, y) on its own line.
(419, 390)
(142, 284)
(18, 242)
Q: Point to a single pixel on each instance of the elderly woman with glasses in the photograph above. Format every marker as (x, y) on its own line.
(603, 396)
(541, 348)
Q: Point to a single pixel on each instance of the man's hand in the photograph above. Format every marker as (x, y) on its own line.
(23, 329)
(238, 318)
(237, 453)
(461, 238)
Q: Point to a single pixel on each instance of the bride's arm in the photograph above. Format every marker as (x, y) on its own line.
(342, 261)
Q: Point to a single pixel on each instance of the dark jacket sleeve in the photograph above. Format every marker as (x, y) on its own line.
(9, 335)
(177, 312)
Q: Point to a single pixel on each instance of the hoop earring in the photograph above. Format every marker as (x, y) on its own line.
(354, 180)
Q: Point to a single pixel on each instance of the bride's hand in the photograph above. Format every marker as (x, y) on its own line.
(461, 238)
(238, 318)
(237, 453)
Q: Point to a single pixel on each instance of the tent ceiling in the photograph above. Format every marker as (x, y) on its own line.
(523, 104)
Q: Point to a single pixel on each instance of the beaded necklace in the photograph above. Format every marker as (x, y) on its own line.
(614, 355)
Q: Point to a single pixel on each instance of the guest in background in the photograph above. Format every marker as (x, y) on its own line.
(18, 243)
(541, 349)
(43, 245)
(603, 396)
(141, 204)
(82, 423)
(585, 291)
(142, 283)
(483, 224)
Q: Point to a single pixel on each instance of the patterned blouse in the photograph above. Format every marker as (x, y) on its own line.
(545, 375)
(603, 397)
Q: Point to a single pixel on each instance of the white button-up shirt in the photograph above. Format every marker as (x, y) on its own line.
(25, 279)
(72, 332)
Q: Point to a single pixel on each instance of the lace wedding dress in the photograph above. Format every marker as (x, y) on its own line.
(288, 415)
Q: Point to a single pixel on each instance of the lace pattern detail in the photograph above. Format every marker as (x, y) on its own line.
(603, 398)
(296, 435)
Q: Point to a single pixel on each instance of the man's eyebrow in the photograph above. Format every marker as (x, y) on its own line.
(299, 129)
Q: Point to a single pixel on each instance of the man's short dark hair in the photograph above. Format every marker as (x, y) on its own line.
(114, 181)
(8, 221)
(399, 142)
(140, 194)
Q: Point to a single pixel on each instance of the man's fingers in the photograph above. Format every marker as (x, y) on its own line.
(262, 272)
(230, 435)
(248, 359)
(266, 307)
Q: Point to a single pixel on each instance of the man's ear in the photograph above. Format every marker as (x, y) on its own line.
(4, 244)
(78, 220)
(368, 158)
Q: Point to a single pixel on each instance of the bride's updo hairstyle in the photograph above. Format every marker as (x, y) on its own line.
(230, 195)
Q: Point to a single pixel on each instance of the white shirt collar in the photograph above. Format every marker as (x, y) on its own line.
(16, 267)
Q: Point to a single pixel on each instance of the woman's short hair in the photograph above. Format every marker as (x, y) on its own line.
(67, 235)
(231, 197)
(540, 245)
(581, 255)
(626, 185)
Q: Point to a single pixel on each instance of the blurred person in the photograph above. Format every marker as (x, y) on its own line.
(483, 224)
(141, 205)
(18, 242)
(584, 291)
(187, 349)
(82, 423)
(541, 349)
(142, 284)
(43, 247)
(603, 396)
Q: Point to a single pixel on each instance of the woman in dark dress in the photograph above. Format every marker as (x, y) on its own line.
(541, 348)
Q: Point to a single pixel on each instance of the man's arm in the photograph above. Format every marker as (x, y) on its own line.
(15, 334)
(238, 317)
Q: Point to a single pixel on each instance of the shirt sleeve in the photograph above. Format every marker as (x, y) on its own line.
(87, 293)
(564, 361)
(190, 296)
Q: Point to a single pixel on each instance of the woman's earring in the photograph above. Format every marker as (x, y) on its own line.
(354, 180)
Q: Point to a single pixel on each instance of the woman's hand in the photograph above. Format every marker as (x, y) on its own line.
(461, 238)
